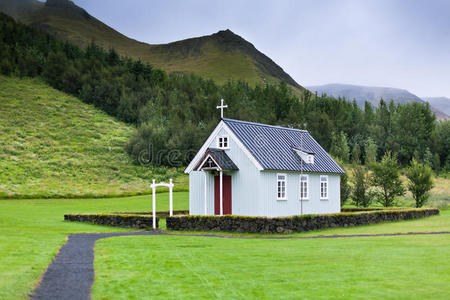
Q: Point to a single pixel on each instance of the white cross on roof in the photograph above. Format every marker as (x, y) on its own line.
(221, 106)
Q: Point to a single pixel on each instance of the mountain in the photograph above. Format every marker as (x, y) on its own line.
(372, 95)
(220, 56)
(441, 103)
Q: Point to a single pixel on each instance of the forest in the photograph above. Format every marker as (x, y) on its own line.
(178, 111)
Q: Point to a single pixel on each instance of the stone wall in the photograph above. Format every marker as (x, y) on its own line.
(117, 220)
(160, 214)
(295, 223)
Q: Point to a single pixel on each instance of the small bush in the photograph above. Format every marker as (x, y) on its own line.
(345, 189)
(361, 194)
(386, 180)
(420, 182)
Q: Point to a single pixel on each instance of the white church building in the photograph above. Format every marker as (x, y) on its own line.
(253, 169)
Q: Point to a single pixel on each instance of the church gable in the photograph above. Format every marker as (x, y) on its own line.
(221, 139)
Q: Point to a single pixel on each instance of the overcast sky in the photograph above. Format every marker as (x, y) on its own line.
(403, 44)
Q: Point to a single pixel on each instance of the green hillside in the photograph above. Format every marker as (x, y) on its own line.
(54, 145)
(220, 56)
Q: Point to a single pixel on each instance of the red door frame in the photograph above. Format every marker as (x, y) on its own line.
(226, 195)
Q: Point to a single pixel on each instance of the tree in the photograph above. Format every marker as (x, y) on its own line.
(146, 146)
(420, 182)
(384, 127)
(369, 115)
(436, 162)
(54, 69)
(361, 196)
(441, 142)
(339, 146)
(345, 189)
(428, 157)
(370, 151)
(356, 154)
(386, 179)
(6, 67)
(413, 127)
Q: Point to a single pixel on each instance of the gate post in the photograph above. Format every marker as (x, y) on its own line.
(154, 203)
(170, 197)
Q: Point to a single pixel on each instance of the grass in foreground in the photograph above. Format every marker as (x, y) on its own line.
(31, 232)
(407, 267)
(54, 145)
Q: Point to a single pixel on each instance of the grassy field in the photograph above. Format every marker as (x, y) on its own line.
(31, 232)
(407, 267)
(54, 145)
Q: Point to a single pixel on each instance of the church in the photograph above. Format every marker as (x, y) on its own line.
(252, 169)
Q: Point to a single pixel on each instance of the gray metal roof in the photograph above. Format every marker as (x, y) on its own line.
(219, 155)
(273, 147)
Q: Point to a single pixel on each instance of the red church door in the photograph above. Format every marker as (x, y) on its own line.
(226, 195)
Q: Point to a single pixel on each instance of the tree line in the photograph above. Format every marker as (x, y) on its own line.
(383, 184)
(178, 111)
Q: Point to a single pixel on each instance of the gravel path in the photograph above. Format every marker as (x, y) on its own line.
(71, 274)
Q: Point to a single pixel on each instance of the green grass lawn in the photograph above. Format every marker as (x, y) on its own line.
(54, 145)
(31, 232)
(161, 267)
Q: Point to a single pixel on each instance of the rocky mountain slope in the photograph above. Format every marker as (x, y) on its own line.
(441, 103)
(371, 94)
(221, 56)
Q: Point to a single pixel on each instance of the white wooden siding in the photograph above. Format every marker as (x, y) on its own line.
(292, 205)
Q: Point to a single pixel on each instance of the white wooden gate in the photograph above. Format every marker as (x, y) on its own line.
(154, 186)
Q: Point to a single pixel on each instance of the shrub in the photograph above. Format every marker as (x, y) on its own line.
(370, 151)
(345, 189)
(356, 154)
(147, 144)
(339, 146)
(419, 182)
(386, 178)
(361, 196)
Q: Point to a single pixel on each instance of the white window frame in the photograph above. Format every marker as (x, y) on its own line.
(300, 187)
(324, 196)
(285, 186)
(221, 141)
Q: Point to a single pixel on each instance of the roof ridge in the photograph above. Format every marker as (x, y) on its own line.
(264, 125)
